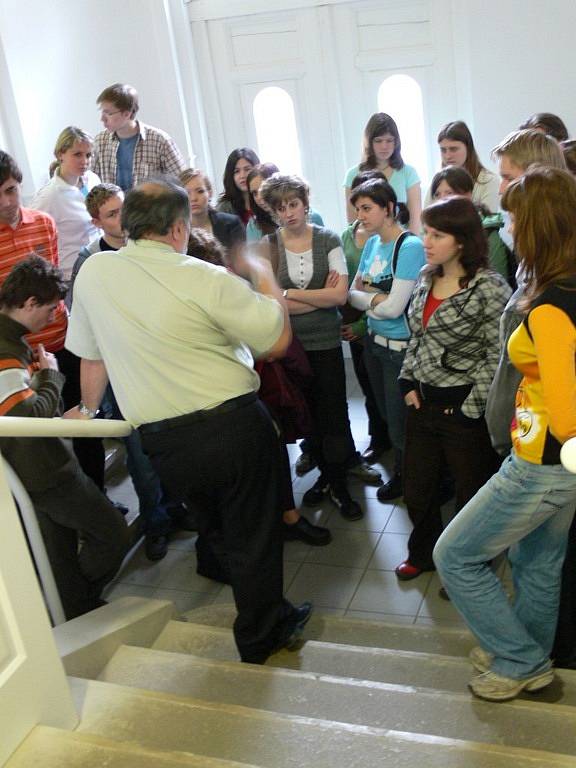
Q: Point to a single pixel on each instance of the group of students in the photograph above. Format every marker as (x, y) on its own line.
(428, 306)
(433, 345)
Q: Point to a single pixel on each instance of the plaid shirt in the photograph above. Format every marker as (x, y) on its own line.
(460, 345)
(155, 152)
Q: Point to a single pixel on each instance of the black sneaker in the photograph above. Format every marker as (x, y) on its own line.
(390, 490)
(303, 530)
(349, 509)
(316, 494)
(156, 546)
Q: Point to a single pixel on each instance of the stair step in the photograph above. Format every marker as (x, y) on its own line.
(529, 724)
(451, 641)
(398, 667)
(52, 748)
(162, 721)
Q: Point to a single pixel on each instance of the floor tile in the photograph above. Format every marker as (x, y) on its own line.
(391, 618)
(435, 607)
(381, 591)
(183, 576)
(184, 601)
(391, 550)
(127, 590)
(375, 518)
(327, 586)
(348, 548)
(142, 571)
(296, 551)
(184, 540)
(290, 571)
(224, 596)
(399, 521)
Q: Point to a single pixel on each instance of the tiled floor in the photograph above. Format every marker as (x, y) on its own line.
(353, 576)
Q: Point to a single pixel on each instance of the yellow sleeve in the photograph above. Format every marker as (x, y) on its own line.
(554, 339)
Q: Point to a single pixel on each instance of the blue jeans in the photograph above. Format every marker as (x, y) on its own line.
(153, 506)
(527, 508)
(384, 366)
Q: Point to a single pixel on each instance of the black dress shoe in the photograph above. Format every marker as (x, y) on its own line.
(304, 463)
(182, 518)
(349, 509)
(371, 454)
(390, 490)
(289, 634)
(316, 494)
(303, 530)
(156, 546)
(294, 626)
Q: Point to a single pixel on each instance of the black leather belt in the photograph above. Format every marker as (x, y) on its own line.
(190, 418)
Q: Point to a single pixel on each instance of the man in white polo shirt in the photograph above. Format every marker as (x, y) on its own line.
(177, 337)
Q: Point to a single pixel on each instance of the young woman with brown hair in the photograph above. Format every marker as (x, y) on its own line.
(381, 150)
(449, 365)
(528, 506)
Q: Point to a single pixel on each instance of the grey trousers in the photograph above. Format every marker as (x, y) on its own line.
(85, 537)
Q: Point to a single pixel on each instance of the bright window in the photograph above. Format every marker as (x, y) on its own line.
(276, 131)
(400, 96)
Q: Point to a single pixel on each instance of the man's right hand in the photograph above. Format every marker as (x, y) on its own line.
(45, 359)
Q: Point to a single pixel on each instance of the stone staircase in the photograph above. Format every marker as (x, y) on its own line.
(356, 694)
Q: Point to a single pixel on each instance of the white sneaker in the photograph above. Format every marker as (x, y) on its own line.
(493, 687)
(481, 659)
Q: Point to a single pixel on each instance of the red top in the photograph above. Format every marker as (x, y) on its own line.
(430, 307)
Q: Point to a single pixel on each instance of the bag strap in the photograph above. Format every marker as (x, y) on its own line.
(397, 245)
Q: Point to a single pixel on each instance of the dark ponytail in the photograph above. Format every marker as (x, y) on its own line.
(381, 193)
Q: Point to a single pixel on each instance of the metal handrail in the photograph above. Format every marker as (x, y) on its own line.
(15, 426)
(20, 426)
(36, 543)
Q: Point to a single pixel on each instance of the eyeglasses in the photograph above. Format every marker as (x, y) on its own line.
(108, 113)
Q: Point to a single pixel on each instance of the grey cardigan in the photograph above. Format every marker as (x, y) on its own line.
(320, 329)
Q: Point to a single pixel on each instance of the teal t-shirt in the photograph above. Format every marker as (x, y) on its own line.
(376, 265)
(400, 181)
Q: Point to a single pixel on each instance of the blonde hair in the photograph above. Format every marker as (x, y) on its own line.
(65, 141)
(530, 146)
(543, 202)
(194, 173)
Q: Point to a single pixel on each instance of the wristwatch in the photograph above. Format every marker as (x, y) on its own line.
(85, 411)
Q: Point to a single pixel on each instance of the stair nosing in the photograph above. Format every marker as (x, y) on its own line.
(256, 669)
(327, 725)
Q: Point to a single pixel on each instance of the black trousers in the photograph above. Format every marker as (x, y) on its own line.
(331, 443)
(89, 450)
(74, 510)
(436, 440)
(377, 428)
(228, 465)
(564, 650)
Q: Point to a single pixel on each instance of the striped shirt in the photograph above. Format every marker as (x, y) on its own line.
(155, 152)
(34, 233)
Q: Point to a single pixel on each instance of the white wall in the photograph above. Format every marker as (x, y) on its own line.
(503, 59)
(60, 54)
(521, 60)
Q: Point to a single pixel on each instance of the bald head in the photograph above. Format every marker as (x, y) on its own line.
(153, 208)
